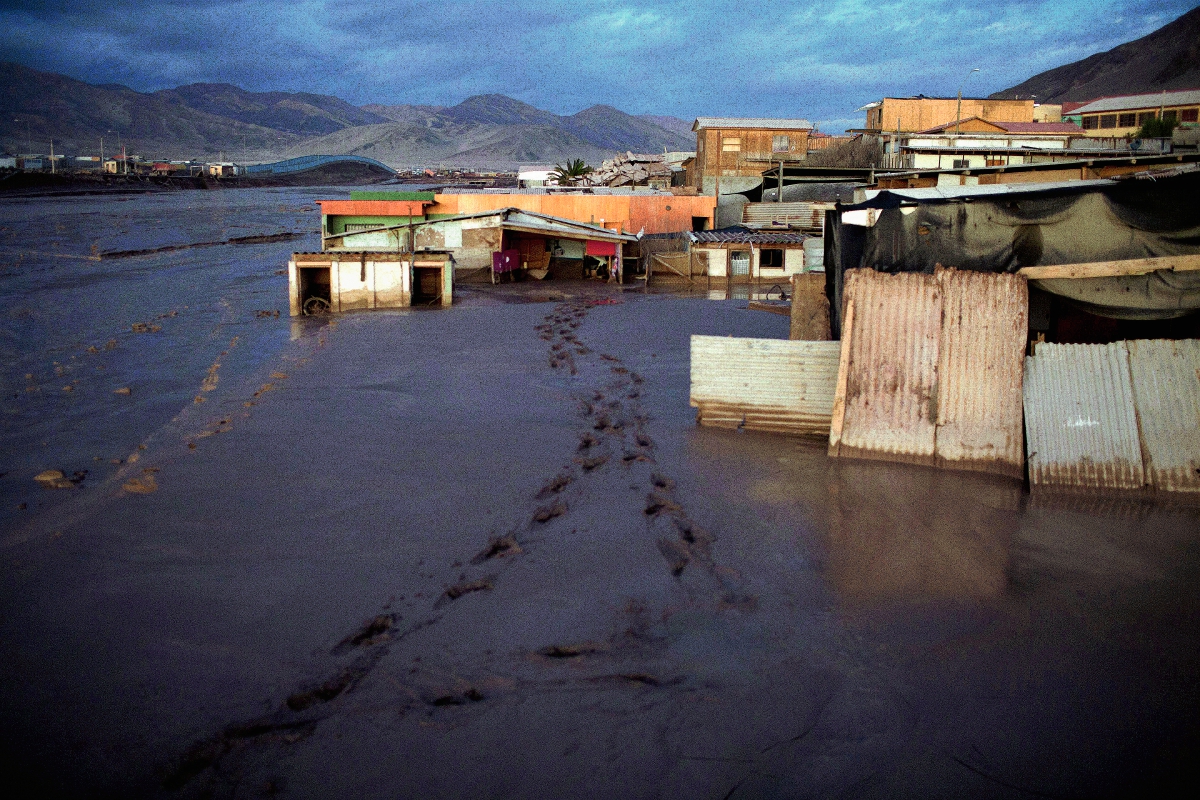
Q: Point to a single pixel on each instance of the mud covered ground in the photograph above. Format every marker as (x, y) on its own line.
(485, 552)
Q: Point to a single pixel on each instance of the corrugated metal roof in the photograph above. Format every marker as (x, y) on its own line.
(764, 384)
(1132, 102)
(1081, 428)
(980, 366)
(890, 367)
(798, 214)
(1166, 392)
(740, 235)
(751, 122)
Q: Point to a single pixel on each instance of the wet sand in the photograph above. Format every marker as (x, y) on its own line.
(486, 552)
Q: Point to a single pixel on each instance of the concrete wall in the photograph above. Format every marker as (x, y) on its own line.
(357, 281)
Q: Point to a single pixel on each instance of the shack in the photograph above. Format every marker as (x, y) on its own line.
(1025, 227)
(322, 283)
(743, 255)
(504, 243)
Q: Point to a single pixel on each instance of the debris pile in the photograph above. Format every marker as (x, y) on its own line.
(632, 169)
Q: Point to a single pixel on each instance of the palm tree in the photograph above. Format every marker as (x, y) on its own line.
(570, 173)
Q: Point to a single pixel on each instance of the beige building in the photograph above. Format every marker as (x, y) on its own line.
(731, 153)
(1122, 116)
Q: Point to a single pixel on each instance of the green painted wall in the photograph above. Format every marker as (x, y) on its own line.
(392, 196)
(335, 224)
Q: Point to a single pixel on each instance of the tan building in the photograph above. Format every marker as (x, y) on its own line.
(731, 153)
(911, 114)
(1122, 116)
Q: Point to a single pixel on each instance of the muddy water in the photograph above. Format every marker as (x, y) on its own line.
(485, 551)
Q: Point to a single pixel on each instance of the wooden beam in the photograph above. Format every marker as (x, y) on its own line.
(1109, 269)
(839, 395)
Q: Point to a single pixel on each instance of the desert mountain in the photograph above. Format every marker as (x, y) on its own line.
(201, 120)
(1168, 59)
(39, 105)
(292, 112)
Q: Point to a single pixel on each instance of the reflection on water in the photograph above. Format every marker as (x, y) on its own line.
(898, 531)
(746, 291)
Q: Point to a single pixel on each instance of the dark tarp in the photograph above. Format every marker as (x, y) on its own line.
(1066, 223)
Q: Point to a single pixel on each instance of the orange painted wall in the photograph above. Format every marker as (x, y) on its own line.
(630, 213)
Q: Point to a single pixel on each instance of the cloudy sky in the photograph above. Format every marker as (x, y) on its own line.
(818, 60)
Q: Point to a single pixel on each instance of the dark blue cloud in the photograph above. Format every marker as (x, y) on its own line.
(820, 61)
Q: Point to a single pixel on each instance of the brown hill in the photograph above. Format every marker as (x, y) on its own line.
(1169, 58)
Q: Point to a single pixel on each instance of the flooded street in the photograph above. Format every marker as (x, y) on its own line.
(486, 552)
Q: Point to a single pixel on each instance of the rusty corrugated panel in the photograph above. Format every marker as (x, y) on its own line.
(764, 384)
(980, 369)
(1166, 393)
(1081, 429)
(889, 407)
(799, 214)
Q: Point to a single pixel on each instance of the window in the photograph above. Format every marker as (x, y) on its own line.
(780, 144)
(770, 259)
(1169, 116)
(1145, 115)
(1127, 121)
(962, 163)
(1108, 120)
(739, 263)
(994, 161)
(731, 144)
(1188, 115)
(1091, 123)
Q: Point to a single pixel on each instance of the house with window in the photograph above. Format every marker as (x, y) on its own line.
(743, 255)
(733, 152)
(1124, 115)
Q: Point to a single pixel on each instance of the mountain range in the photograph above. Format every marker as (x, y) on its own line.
(1168, 58)
(206, 120)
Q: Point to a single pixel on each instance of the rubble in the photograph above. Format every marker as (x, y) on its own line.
(632, 169)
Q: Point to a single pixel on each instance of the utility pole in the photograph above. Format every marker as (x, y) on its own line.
(958, 114)
(52, 156)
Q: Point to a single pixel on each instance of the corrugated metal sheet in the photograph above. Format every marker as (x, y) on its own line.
(807, 215)
(1166, 393)
(751, 122)
(1081, 429)
(980, 367)
(764, 384)
(890, 398)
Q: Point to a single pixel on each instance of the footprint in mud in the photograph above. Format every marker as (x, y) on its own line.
(547, 513)
(557, 484)
(587, 441)
(676, 553)
(326, 691)
(461, 589)
(498, 547)
(374, 631)
(563, 651)
(589, 464)
(471, 695)
(657, 504)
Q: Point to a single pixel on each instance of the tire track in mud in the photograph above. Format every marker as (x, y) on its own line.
(612, 435)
